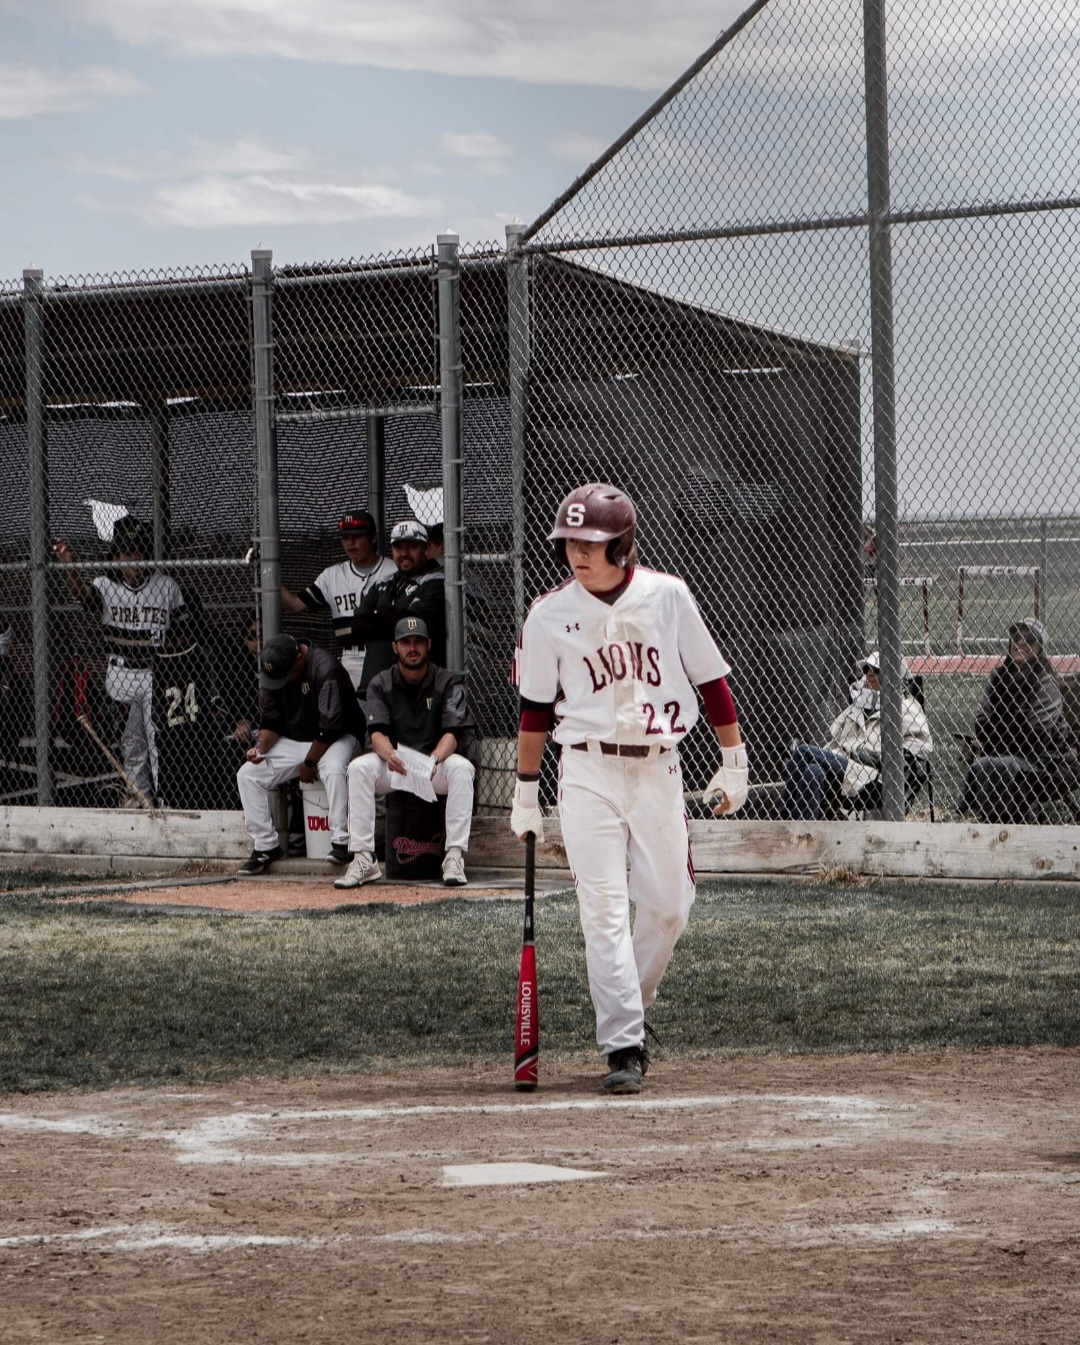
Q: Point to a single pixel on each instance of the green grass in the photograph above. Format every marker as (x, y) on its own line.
(43, 880)
(98, 996)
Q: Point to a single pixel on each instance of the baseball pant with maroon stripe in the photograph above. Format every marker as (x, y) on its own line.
(613, 810)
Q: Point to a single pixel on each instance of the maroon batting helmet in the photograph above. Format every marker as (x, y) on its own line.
(597, 512)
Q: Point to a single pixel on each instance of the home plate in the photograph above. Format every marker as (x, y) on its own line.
(510, 1174)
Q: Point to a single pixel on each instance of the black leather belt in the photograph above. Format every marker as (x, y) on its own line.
(619, 749)
(132, 664)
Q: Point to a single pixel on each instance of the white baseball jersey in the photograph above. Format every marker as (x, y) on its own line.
(338, 590)
(623, 672)
(136, 620)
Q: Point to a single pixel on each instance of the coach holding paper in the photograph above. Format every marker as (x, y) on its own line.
(419, 705)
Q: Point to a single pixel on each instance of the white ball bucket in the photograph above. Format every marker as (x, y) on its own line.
(316, 820)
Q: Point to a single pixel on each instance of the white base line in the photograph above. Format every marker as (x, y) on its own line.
(830, 1106)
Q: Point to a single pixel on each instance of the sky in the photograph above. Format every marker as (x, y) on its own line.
(148, 136)
(142, 135)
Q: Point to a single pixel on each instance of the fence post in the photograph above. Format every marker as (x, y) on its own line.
(267, 528)
(517, 297)
(1042, 579)
(38, 473)
(159, 468)
(450, 384)
(376, 473)
(884, 401)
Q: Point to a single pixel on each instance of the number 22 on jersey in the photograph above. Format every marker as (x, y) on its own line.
(655, 722)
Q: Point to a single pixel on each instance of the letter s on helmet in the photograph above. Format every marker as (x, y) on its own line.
(597, 512)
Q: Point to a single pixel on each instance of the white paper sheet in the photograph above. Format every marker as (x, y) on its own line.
(418, 780)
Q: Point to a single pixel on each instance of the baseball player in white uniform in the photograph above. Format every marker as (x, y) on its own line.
(612, 660)
(337, 590)
(138, 608)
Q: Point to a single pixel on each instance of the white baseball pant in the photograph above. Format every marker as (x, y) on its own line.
(134, 687)
(352, 660)
(255, 780)
(614, 809)
(369, 776)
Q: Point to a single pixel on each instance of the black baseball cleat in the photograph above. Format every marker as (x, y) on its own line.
(339, 854)
(626, 1069)
(297, 847)
(259, 861)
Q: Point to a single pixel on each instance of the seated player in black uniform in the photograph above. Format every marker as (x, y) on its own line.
(309, 727)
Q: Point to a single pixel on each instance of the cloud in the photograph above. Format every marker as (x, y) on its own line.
(244, 155)
(608, 43)
(487, 155)
(249, 182)
(578, 148)
(474, 145)
(29, 92)
(216, 201)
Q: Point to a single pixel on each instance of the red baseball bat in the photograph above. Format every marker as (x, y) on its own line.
(527, 1034)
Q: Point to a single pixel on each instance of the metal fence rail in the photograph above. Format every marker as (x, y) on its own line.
(814, 310)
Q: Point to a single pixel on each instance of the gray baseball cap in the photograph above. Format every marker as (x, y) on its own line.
(1032, 627)
(408, 530)
(276, 659)
(411, 625)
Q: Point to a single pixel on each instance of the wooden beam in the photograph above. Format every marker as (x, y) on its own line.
(879, 849)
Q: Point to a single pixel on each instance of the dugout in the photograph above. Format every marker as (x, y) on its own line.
(739, 444)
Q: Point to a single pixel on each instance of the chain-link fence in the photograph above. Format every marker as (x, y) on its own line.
(842, 400)
(843, 404)
(127, 520)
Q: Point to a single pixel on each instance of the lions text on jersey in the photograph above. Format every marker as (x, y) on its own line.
(623, 672)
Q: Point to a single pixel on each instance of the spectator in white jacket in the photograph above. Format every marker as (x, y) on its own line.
(816, 779)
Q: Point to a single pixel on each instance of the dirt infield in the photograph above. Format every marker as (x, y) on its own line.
(924, 1197)
(273, 895)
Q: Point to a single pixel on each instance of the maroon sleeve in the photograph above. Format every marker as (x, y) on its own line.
(718, 703)
(537, 716)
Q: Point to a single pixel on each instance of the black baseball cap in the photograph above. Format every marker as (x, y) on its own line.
(131, 538)
(276, 659)
(411, 625)
(358, 521)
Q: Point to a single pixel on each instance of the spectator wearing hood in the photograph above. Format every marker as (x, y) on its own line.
(816, 778)
(1023, 750)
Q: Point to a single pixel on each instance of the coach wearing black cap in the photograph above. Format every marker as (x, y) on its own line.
(339, 589)
(310, 725)
(415, 589)
(419, 705)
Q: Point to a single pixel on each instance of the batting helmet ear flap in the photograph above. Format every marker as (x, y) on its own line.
(559, 547)
(622, 551)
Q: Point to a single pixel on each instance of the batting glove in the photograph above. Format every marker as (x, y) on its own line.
(731, 781)
(525, 815)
